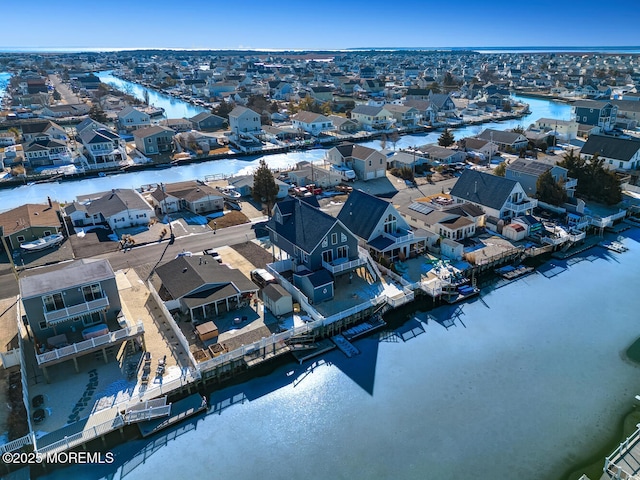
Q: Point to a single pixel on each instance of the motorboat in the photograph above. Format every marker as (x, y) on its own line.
(230, 193)
(43, 243)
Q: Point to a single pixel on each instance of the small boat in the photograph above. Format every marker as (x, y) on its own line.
(615, 247)
(43, 243)
(230, 192)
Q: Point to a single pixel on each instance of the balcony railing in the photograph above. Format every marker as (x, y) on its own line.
(399, 239)
(521, 206)
(74, 349)
(570, 183)
(75, 311)
(338, 267)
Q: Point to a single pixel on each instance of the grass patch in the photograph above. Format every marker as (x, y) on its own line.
(229, 220)
(633, 352)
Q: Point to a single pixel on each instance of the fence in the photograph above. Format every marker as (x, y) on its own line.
(610, 465)
(176, 329)
(11, 358)
(631, 188)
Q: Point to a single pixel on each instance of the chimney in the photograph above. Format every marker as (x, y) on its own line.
(49, 201)
(475, 187)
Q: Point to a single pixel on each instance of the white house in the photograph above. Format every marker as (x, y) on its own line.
(119, 208)
(244, 121)
(313, 123)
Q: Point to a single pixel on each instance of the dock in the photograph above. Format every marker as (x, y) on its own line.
(303, 353)
(180, 410)
(511, 273)
(345, 346)
(364, 328)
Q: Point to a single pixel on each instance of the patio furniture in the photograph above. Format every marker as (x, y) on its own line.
(95, 331)
(38, 416)
(207, 331)
(58, 341)
(37, 401)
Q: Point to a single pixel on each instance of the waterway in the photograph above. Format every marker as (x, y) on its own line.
(67, 191)
(4, 82)
(530, 378)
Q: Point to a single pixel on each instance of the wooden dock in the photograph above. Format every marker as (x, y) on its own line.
(364, 328)
(345, 346)
(304, 352)
(180, 410)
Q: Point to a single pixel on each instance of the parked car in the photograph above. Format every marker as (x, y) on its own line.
(184, 254)
(261, 277)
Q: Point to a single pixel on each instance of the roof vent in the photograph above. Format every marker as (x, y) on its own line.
(184, 270)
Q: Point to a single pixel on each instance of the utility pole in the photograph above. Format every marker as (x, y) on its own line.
(6, 249)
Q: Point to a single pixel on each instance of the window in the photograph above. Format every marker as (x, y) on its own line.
(370, 162)
(343, 251)
(325, 242)
(20, 238)
(47, 233)
(92, 292)
(334, 238)
(53, 302)
(327, 256)
(390, 224)
(91, 319)
(43, 325)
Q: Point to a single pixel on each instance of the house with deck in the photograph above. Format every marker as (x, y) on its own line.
(74, 309)
(621, 154)
(319, 245)
(102, 146)
(595, 112)
(202, 287)
(313, 123)
(366, 162)
(245, 125)
(190, 195)
(506, 141)
(154, 140)
(119, 208)
(498, 197)
(371, 117)
(131, 118)
(380, 227)
(527, 172)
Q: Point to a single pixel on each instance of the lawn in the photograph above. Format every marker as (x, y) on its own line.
(229, 220)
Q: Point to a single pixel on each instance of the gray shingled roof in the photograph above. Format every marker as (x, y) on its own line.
(79, 272)
(611, 147)
(367, 110)
(303, 225)
(362, 212)
(184, 275)
(483, 188)
(500, 136)
(116, 201)
(530, 167)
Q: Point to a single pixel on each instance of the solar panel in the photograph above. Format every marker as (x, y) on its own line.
(421, 208)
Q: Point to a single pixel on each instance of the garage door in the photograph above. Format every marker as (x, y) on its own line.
(380, 173)
(371, 175)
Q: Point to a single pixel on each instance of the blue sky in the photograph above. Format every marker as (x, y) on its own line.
(325, 24)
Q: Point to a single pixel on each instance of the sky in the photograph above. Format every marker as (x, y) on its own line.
(324, 24)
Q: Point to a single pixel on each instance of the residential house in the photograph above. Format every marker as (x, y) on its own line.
(593, 112)
(371, 117)
(322, 94)
(29, 222)
(481, 149)
(405, 159)
(628, 112)
(73, 310)
(131, 118)
(35, 130)
(441, 215)
(191, 195)
(320, 177)
(563, 130)
(506, 141)
(345, 125)
(46, 151)
(313, 123)
(177, 124)
(119, 208)
(202, 287)
(498, 197)
(441, 155)
(404, 116)
(103, 146)
(245, 126)
(243, 184)
(380, 227)
(154, 140)
(319, 245)
(618, 153)
(65, 110)
(366, 162)
(207, 122)
(527, 172)
(443, 104)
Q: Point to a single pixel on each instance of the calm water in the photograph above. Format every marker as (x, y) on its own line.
(4, 81)
(528, 380)
(67, 191)
(173, 108)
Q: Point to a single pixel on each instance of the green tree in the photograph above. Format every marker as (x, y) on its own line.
(550, 191)
(500, 170)
(264, 186)
(446, 138)
(56, 96)
(506, 106)
(518, 129)
(97, 113)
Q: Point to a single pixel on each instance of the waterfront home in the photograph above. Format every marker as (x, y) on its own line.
(177, 124)
(243, 184)
(45, 152)
(318, 176)
(498, 197)
(441, 155)
(380, 227)
(102, 146)
(480, 149)
(131, 118)
(244, 122)
(405, 159)
(594, 112)
(154, 140)
(313, 123)
(526, 172)
(618, 153)
(441, 215)
(202, 287)
(74, 310)
(65, 110)
(563, 130)
(319, 245)
(404, 116)
(29, 222)
(119, 208)
(207, 122)
(42, 129)
(343, 125)
(506, 141)
(366, 162)
(191, 195)
(628, 112)
(443, 104)
(371, 117)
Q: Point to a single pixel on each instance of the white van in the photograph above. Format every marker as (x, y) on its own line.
(261, 277)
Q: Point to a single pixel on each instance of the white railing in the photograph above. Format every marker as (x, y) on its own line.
(570, 183)
(404, 238)
(610, 465)
(17, 444)
(371, 264)
(602, 222)
(576, 237)
(11, 358)
(176, 329)
(79, 347)
(147, 414)
(297, 295)
(282, 265)
(83, 436)
(341, 267)
(522, 206)
(77, 310)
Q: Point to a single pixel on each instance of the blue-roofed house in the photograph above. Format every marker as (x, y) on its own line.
(380, 227)
(499, 197)
(319, 245)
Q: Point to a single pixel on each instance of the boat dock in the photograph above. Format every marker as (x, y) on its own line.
(511, 273)
(364, 328)
(180, 410)
(304, 352)
(345, 346)
(614, 247)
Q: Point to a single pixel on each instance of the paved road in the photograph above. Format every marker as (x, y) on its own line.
(63, 89)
